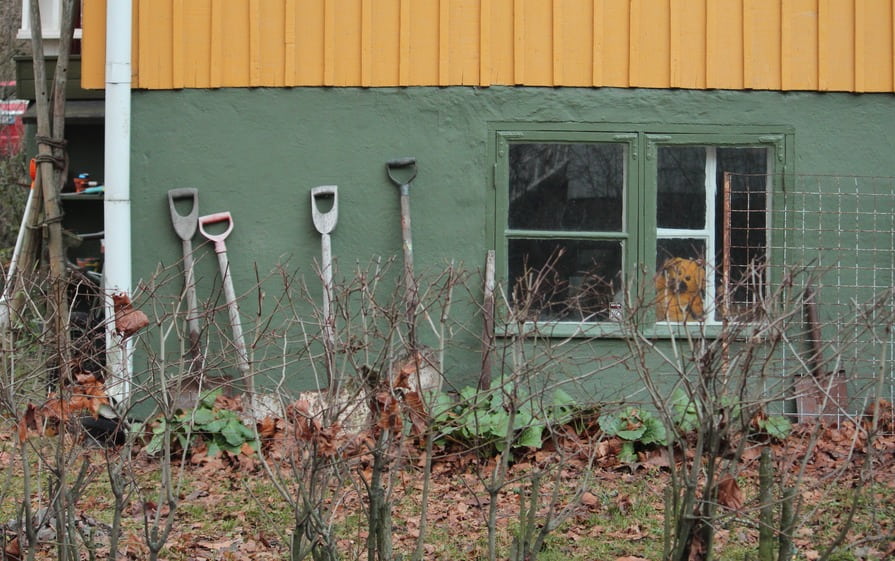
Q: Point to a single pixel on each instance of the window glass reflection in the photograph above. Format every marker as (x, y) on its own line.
(572, 186)
(576, 280)
(681, 187)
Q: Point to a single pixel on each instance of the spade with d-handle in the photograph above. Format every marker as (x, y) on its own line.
(325, 222)
(185, 226)
(220, 247)
(401, 172)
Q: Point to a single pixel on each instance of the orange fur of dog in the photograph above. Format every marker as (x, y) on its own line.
(679, 287)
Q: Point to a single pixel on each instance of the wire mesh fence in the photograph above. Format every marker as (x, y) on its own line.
(839, 231)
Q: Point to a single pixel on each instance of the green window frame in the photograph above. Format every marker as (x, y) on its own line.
(621, 226)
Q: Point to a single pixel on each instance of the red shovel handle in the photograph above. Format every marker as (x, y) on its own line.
(214, 219)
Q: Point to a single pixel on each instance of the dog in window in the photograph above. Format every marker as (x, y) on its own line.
(680, 285)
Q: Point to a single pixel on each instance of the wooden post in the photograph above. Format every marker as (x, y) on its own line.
(487, 323)
(765, 506)
(50, 162)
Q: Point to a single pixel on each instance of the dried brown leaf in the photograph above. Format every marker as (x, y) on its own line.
(12, 551)
(590, 500)
(329, 440)
(729, 493)
(267, 428)
(127, 319)
(389, 412)
(417, 412)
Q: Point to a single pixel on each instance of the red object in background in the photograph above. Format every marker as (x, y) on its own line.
(12, 129)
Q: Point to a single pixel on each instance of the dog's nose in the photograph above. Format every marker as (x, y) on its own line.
(681, 287)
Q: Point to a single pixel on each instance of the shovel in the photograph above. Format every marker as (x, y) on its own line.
(401, 171)
(220, 247)
(325, 222)
(185, 226)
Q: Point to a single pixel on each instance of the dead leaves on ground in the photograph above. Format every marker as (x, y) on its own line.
(326, 441)
(85, 397)
(393, 405)
(729, 493)
(457, 483)
(457, 478)
(12, 551)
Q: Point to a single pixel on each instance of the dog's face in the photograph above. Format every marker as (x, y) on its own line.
(679, 287)
(683, 276)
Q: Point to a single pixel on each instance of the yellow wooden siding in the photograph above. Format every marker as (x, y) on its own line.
(835, 45)
(687, 41)
(799, 39)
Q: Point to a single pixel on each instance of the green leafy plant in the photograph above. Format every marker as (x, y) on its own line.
(634, 427)
(483, 418)
(777, 427)
(685, 411)
(221, 429)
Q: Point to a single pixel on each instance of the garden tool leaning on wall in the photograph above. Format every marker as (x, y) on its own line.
(325, 222)
(402, 172)
(403, 179)
(186, 226)
(220, 247)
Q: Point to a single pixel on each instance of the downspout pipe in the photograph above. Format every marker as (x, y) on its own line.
(117, 205)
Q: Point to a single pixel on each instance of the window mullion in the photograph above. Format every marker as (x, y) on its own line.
(570, 235)
(711, 189)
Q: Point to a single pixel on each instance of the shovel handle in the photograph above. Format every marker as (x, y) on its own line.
(400, 163)
(184, 224)
(218, 239)
(183, 193)
(325, 222)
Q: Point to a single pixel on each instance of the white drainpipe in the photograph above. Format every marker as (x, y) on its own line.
(117, 206)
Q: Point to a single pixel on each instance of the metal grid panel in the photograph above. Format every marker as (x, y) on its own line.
(837, 233)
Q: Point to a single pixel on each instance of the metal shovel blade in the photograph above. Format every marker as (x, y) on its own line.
(325, 222)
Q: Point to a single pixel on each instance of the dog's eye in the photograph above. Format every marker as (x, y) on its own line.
(687, 277)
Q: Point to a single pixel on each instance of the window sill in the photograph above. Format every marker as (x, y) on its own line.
(680, 330)
(612, 330)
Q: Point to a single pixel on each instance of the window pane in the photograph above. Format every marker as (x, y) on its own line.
(570, 280)
(680, 280)
(681, 187)
(743, 234)
(574, 187)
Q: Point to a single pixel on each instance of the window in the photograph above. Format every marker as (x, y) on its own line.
(581, 211)
(566, 210)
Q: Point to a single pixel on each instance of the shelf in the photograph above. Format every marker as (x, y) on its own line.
(81, 196)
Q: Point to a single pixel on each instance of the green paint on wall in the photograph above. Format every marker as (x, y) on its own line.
(258, 152)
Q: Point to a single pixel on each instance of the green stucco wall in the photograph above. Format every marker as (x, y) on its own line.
(257, 153)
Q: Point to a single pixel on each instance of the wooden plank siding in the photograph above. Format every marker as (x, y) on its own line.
(814, 45)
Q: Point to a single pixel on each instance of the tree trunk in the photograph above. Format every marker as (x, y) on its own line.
(51, 166)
